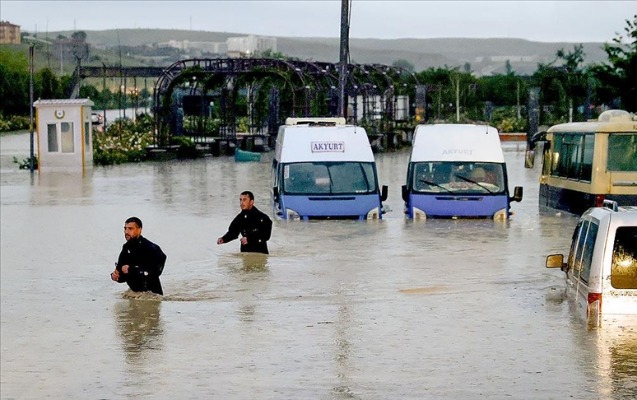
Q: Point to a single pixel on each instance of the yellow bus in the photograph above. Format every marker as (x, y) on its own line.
(585, 163)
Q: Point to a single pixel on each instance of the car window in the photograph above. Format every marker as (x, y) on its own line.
(574, 241)
(587, 254)
(623, 273)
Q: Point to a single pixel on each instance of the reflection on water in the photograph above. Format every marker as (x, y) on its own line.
(139, 325)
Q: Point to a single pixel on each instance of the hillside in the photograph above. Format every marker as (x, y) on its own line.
(484, 56)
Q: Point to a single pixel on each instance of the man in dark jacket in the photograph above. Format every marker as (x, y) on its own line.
(254, 226)
(141, 261)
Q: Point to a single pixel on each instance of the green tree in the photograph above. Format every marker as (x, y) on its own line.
(563, 83)
(404, 64)
(14, 82)
(618, 78)
(47, 85)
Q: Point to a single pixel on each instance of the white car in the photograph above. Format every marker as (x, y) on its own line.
(601, 269)
(96, 118)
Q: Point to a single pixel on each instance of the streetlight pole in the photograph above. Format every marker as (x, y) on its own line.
(342, 76)
(31, 153)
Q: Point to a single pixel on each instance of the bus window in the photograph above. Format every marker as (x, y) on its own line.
(622, 152)
(573, 156)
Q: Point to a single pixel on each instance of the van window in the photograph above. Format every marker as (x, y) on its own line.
(458, 177)
(581, 261)
(329, 178)
(587, 256)
(574, 242)
(623, 273)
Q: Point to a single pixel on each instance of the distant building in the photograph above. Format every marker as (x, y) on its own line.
(196, 48)
(9, 33)
(247, 46)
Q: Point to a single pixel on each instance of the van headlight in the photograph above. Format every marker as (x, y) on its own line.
(374, 213)
(291, 214)
(418, 213)
(501, 215)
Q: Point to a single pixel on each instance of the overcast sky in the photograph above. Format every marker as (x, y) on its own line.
(545, 21)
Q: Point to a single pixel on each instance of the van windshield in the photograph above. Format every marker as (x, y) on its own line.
(329, 178)
(458, 177)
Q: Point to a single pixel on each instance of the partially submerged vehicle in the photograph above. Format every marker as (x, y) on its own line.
(585, 163)
(325, 169)
(601, 268)
(457, 171)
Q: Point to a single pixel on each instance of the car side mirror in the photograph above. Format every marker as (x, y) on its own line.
(518, 191)
(275, 193)
(384, 193)
(405, 193)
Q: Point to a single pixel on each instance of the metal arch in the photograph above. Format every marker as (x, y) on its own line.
(306, 82)
(230, 67)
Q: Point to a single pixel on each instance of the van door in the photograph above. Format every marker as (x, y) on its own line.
(579, 264)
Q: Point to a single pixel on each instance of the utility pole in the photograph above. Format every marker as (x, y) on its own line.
(31, 62)
(343, 61)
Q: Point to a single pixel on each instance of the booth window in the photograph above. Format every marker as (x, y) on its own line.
(52, 138)
(87, 135)
(68, 145)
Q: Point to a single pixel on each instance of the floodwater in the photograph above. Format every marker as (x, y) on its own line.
(388, 309)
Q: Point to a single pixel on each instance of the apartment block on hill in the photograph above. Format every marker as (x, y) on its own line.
(9, 33)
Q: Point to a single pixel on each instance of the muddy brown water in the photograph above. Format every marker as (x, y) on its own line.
(338, 310)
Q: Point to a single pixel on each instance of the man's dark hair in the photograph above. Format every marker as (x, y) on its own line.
(248, 193)
(135, 220)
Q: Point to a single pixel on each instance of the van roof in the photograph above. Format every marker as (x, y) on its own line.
(315, 121)
(299, 143)
(456, 142)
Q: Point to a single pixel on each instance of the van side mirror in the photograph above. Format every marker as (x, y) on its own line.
(384, 193)
(275, 194)
(405, 193)
(517, 194)
(555, 261)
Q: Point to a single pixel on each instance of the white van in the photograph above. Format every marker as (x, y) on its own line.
(601, 270)
(325, 169)
(457, 171)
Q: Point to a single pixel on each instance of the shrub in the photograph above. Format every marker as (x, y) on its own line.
(123, 141)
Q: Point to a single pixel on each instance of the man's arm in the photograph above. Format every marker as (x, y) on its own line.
(233, 230)
(154, 260)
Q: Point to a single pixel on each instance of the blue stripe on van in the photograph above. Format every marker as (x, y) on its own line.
(457, 206)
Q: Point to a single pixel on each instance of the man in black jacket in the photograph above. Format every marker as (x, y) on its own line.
(140, 262)
(254, 226)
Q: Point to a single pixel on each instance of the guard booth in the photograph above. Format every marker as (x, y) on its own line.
(64, 135)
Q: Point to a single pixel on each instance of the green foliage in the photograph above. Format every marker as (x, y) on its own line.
(618, 78)
(124, 141)
(404, 64)
(505, 119)
(186, 149)
(26, 163)
(47, 85)
(14, 123)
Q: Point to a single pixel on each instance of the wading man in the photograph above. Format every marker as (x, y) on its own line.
(254, 227)
(141, 261)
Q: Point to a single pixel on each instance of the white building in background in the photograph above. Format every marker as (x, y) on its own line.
(196, 48)
(247, 46)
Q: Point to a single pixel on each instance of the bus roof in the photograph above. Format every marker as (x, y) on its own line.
(610, 121)
(303, 143)
(456, 142)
